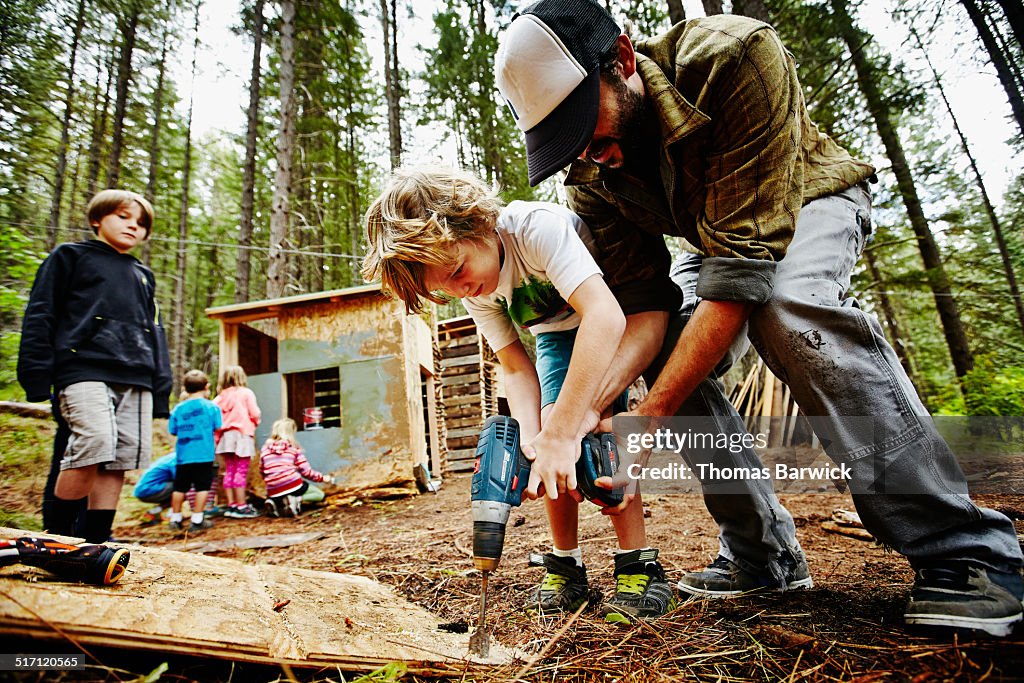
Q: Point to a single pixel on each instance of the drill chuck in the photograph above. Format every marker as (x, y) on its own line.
(488, 541)
(490, 518)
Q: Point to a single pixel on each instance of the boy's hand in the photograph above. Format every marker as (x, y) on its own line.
(591, 422)
(554, 467)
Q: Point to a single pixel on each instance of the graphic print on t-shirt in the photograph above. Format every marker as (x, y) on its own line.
(536, 301)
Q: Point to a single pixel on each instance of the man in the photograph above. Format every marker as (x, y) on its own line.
(702, 133)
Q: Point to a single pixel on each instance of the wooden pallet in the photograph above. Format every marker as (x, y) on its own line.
(469, 387)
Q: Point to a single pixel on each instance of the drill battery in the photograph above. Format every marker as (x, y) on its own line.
(599, 457)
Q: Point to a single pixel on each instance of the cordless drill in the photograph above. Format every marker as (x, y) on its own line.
(97, 564)
(501, 474)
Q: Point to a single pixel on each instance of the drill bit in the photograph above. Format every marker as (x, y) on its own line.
(480, 641)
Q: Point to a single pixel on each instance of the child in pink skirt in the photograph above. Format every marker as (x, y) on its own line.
(236, 442)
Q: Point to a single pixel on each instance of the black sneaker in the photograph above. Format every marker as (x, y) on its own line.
(962, 595)
(641, 589)
(564, 587)
(173, 525)
(724, 578)
(197, 527)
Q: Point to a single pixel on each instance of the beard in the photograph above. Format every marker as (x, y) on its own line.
(633, 130)
(637, 134)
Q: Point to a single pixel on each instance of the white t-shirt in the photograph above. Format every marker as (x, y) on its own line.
(547, 256)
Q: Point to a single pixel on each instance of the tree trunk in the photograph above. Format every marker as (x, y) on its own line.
(676, 11)
(354, 212)
(889, 315)
(949, 313)
(65, 134)
(277, 271)
(1014, 10)
(154, 138)
(242, 259)
(392, 79)
(999, 61)
(181, 265)
(997, 229)
(712, 7)
(99, 127)
(128, 26)
(755, 9)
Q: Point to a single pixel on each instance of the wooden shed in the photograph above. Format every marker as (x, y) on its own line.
(366, 368)
(473, 388)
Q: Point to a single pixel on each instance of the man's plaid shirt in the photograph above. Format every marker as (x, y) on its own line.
(739, 156)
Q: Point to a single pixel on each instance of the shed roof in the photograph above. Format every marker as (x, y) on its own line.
(269, 308)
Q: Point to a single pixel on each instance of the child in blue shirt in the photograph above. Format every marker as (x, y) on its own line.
(156, 485)
(193, 421)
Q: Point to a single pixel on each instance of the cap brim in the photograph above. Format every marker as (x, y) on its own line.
(562, 136)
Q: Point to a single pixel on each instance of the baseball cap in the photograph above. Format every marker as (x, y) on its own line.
(548, 70)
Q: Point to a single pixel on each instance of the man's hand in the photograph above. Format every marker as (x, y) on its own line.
(627, 497)
(554, 466)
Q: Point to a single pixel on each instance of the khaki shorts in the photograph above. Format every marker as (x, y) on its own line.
(111, 425)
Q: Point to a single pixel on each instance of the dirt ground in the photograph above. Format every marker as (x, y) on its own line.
(848, 627)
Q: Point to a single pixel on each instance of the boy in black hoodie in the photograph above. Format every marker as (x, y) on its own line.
(92, 335)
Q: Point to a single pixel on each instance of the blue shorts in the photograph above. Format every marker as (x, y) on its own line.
(554, 350)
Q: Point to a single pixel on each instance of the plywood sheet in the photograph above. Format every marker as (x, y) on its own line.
(181, 602)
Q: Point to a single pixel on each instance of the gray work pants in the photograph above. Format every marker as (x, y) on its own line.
(906, 483)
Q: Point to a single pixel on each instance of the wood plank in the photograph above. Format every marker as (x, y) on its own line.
(462, 399)
(459, 361)
(457, 423)
(170, 601)
(460, 380)
(461, 390)
(469, 341)
(460, 412)
(462, 454)
(461, 350)
(460, 369)
(473, 431)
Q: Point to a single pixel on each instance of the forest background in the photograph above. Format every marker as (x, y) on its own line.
(102, 93)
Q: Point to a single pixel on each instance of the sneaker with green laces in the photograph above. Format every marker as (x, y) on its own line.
(564, 587)
(641, 589)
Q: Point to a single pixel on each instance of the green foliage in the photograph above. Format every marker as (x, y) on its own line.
(390, 673)
(646, 19)
(22, 439)
(341, 154)
(992, 389)
(462, 99)
(19, 259)
(25, 446)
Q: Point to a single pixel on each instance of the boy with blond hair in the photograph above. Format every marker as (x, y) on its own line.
(435, 231)
(93, 343)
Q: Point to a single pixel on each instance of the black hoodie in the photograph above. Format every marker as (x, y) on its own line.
(92, 316)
